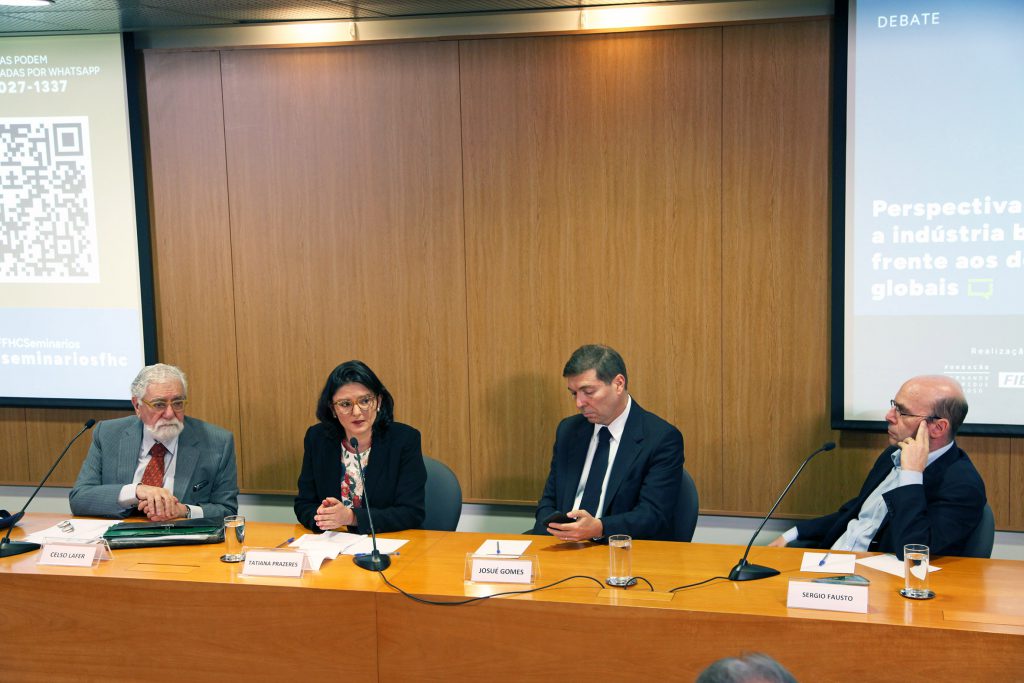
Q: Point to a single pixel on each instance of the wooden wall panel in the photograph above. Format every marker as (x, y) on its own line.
(1015, 484)
(48, 432)
(34, 437)
(592, 209)
(346, 219)
(14, 454)
(775, 235)
(992, 458)
(833, 478)
(191, 240)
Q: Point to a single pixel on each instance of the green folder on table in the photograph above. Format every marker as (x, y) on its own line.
(178, 532)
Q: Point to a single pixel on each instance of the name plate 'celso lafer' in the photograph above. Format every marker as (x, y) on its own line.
(70, 555)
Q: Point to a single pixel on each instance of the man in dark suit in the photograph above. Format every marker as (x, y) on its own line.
(922, 489)
(159, 462)
(616, 468)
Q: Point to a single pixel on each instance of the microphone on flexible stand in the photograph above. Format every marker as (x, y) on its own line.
(9, 547)
(375, 562)
(744, 571)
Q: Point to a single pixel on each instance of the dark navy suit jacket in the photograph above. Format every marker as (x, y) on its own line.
(940, 514)
(645, 481)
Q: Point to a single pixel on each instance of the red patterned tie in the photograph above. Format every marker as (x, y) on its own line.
(154, 474)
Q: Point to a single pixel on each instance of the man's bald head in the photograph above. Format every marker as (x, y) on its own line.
(940, 396)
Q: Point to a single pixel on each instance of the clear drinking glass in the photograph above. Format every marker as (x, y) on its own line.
(620, 568)
(234, 538)
(915, 572)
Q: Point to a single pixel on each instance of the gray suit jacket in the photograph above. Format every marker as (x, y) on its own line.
(205, 474)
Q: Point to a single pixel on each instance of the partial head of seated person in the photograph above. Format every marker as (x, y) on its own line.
(922, 488)
(356, 427)
(158, 462)
(615, 468)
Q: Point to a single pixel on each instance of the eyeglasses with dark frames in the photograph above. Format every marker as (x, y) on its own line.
(903, 413)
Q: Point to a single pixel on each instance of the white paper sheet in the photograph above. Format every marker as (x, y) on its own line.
(386, 546)
(339, 540)
(85, 529)
(347, 544)
(889, 564)
(327, 550)
(314, 559)
(498, 547)
(835, 563)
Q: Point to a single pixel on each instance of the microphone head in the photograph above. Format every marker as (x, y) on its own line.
(828, 445)
(89, 423)
(9, 520)
(354, 443)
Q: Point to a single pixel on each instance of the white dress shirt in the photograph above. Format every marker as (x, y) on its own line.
(615, 427)
(127, 500)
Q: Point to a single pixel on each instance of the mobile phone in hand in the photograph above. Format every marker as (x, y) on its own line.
(558, 518)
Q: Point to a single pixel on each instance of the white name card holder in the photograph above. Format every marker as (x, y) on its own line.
(498, 568)
(826, 596)
(286, 562)
(74, 552)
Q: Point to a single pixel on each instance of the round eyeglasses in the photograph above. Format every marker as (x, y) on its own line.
(346, 406)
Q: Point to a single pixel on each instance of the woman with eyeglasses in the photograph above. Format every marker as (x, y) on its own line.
(356, 420)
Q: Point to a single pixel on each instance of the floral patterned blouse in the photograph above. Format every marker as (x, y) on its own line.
(351, 483)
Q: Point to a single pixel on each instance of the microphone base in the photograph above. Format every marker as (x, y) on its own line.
(744, 571)
(12, 548)
(374, 562)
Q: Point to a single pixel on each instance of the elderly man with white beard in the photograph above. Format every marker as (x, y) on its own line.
(158, 462)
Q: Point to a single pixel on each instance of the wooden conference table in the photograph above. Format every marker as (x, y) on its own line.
(181, 614)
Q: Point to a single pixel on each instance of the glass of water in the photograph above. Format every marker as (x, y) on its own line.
(620, 568)
(234, 538)
(915, 572)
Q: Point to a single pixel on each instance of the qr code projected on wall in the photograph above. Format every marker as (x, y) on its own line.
(46, 201)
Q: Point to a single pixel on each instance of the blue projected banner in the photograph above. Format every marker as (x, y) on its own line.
(934, 204)
(54, 344)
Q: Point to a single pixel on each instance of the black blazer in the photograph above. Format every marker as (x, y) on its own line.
(941, 514)
(395, 479)
(645, 482)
